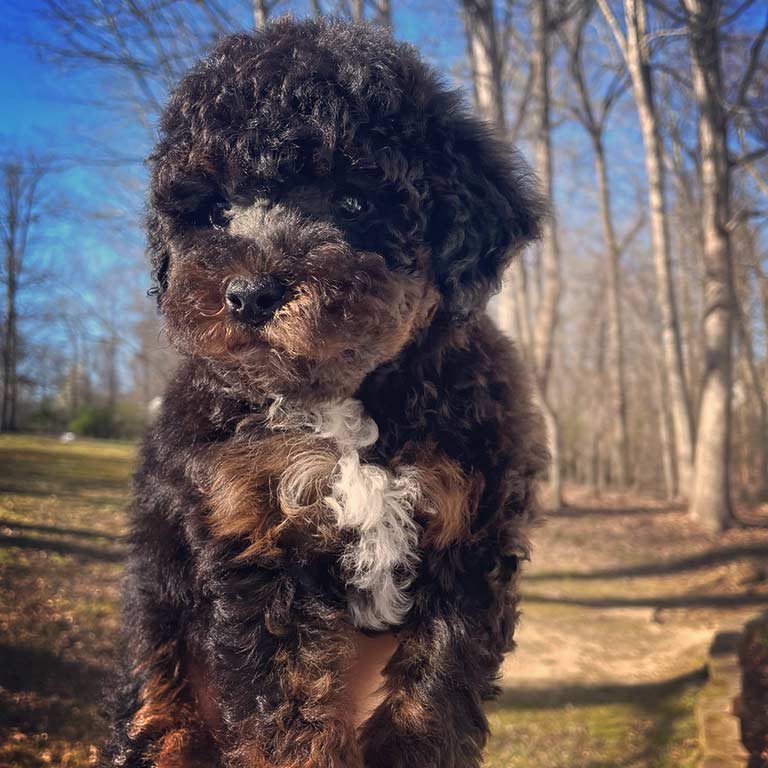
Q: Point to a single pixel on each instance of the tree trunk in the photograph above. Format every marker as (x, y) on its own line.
(638, 63)
(485, 61)
(112, 385)
(615, 323)
(486, 64)
(597, 418)
(260, 13)
(383, 14)
(547, 314)
(711, 497)
(762, 404)
(10, 350)
(665, 433)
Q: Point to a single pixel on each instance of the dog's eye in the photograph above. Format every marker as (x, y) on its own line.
(351, 205)
(218, 214)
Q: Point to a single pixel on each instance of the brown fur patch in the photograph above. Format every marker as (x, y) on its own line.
(182, 739)
(449, 495)
(173, 749)
(199, 301)
(266, 490)
(160, 693)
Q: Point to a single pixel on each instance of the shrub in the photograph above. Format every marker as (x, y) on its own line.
(91, 421)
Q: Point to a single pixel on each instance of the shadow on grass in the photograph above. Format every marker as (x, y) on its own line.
(661, 705)
(62, 531)
(567, 512)
(591, 695)
(693, 562)
(43, 693)
(41, 671)
(683, 601)
(41, 473)
(62, 548)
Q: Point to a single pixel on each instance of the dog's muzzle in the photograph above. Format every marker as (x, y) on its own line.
(254, 300)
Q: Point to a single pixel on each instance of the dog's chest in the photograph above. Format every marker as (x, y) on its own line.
(372, 503)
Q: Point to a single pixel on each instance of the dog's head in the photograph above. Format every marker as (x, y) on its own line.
(317, 198)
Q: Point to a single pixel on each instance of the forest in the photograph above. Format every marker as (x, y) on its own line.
(642, 312)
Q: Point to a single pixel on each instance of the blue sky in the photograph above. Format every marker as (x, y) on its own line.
(52, 109)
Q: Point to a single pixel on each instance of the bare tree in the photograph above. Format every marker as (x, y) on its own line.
(485, 61)
(634, 44)
(592, 114)
(383, 13)
(758, 390)
(380, 10)
(487, 53)
(260, 13)
(547, 315)
(145, 45)
(19, 210)
(711, 494)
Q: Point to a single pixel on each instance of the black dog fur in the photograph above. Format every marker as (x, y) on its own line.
(329, 160)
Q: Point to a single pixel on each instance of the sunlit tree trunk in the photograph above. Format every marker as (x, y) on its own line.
(615, 345)
(547, 312)
(485, 61)
(711, 495)
(758, 391)
(486, 68)
(383, 13)
(665, 434)
(260, 13)
(591, 109)
(635, 47)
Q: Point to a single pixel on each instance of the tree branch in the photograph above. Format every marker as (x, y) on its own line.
(754, 60)
(613, 23)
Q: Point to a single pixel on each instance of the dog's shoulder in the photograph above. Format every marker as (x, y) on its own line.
(467, 392)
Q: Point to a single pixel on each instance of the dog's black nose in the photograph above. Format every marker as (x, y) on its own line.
(254, 300)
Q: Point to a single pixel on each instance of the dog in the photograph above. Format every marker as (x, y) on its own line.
(344, 469)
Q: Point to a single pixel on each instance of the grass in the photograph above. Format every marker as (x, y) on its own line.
(61, 516)
(61, 519)
(596, 727)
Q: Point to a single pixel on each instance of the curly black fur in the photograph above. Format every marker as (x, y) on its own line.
(329, 158)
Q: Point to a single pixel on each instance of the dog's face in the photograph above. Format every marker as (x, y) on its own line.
(317, 199)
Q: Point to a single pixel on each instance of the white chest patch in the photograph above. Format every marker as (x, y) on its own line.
(376, 503)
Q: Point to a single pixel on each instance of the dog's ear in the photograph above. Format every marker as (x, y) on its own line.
(485, 208)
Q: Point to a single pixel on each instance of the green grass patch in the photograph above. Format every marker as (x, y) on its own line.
(61, 518)
(648, 726)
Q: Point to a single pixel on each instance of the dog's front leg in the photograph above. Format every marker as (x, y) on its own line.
(280, 655)
(432, 715)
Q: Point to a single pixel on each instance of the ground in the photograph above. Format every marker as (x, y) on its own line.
(621, 601)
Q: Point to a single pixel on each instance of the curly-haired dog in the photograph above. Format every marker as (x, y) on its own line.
(350, 447)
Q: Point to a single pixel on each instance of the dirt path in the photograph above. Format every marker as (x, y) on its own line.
(626, 590)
